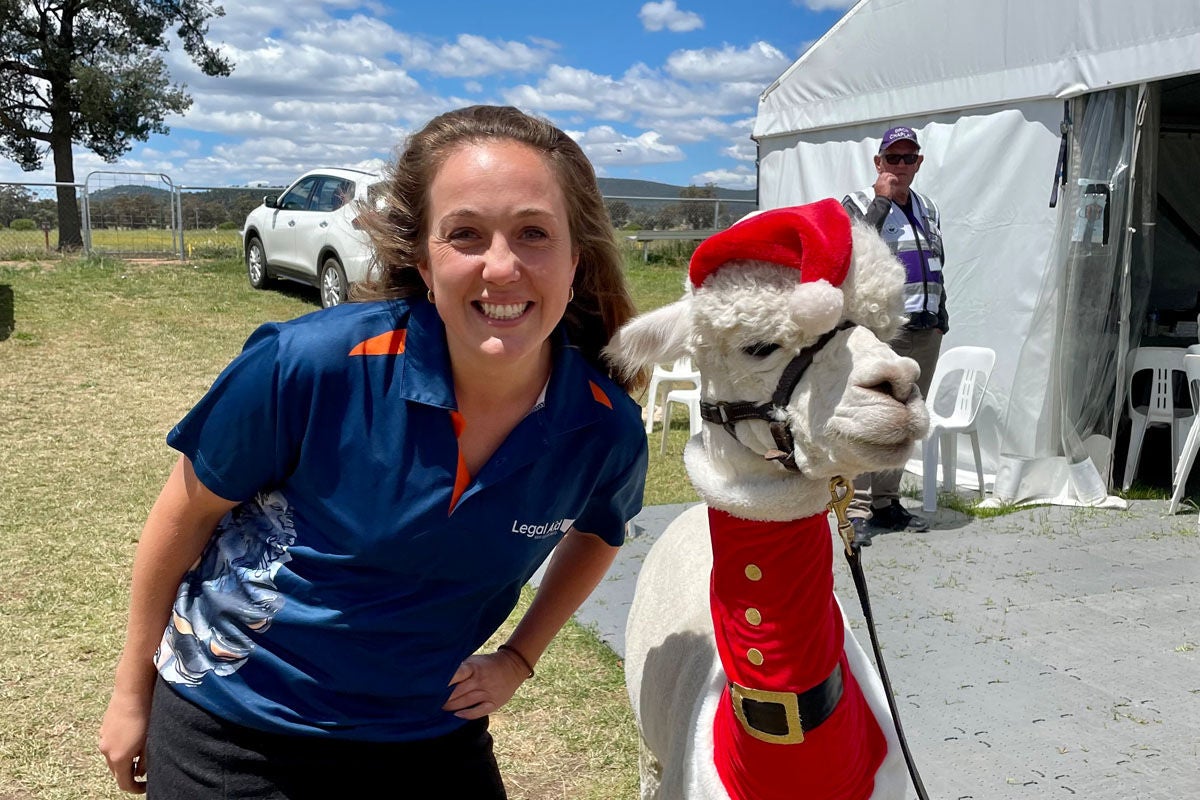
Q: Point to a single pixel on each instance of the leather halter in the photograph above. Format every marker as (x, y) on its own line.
(774, 413)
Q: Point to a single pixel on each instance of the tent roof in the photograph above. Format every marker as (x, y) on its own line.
(888, 60)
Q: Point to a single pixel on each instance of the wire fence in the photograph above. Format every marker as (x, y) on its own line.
(148, 215)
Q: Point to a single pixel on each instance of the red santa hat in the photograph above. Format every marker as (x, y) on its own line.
(813, 239)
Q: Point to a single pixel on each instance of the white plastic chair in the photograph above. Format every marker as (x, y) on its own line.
(1183, 467)
(681, 371)
(973, 368)
(1163, 363)
(686, 397)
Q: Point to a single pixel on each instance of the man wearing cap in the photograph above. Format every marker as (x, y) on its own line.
(911, 226)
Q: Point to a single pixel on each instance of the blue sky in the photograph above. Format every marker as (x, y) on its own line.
(663, 91)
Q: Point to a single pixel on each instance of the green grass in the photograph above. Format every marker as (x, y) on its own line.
(98, 359)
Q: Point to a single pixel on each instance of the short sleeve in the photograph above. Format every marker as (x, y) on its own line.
(237, 437)
(618, 500)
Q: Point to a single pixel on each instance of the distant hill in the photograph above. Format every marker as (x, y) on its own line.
(128, 190)
(626, 187)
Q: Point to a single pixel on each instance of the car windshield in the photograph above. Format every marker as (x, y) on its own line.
(296, 198)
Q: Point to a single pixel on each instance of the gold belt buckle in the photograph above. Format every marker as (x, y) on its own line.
(791, 712)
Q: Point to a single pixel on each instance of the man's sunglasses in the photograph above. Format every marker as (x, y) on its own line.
(901, 158)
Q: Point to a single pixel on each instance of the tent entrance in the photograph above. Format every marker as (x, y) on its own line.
(1167, 299)
(1123, 272)
(1056, 441)
(1164, 288)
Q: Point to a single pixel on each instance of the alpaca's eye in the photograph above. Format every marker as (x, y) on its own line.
(760, 349)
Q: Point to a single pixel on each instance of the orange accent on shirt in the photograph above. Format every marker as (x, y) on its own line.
(462, 478)
(385, 344)
(599, 394)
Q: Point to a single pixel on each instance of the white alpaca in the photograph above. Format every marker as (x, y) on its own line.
(717, 706)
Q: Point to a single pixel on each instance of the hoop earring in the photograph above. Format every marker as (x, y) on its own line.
(570, 294)
(429, 295)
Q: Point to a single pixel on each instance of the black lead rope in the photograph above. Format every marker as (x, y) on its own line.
(842, 493)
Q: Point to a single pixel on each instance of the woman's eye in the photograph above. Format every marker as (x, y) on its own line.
(534, 233)
(760, 349)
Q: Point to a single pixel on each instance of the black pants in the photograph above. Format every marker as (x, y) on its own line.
(192, 755)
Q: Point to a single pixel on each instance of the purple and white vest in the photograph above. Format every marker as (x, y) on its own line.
(919, 248)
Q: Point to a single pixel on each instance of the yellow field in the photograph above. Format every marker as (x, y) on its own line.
(203, 243)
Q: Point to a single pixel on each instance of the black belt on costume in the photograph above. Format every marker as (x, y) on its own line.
(784, 717)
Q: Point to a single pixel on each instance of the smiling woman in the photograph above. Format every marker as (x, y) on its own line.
(499, 261)
(308, 595)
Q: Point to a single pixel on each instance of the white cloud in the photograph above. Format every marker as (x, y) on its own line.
(760, 62)
(358, 35)
(824, 5)
(606, 146)
(742, 151)
(641, 91)
(568, 89)
(690, 130)
(656, 16)
(736, 178)
(474, 56)
(342, 82)
(247, 22)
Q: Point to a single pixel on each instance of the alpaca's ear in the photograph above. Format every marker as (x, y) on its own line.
(656, 337)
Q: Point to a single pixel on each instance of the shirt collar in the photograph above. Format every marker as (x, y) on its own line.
(426, 378)
(571, 399)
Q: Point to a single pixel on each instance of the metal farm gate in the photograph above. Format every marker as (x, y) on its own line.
(132, 214)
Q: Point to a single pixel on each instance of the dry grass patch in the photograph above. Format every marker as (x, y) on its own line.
(102, 359)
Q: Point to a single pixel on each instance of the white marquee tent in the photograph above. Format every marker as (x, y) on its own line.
(991, 86)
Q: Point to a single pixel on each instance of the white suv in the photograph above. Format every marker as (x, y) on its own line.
(310, 233)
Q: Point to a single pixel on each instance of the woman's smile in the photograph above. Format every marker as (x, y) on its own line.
(502, 312)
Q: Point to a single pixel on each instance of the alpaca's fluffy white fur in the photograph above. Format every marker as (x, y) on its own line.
(856, 410)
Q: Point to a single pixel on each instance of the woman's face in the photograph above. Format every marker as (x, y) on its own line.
(499, 257)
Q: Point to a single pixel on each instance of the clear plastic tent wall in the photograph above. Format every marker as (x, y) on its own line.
(1057, 436)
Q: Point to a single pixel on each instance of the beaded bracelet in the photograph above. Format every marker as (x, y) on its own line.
(524, 661)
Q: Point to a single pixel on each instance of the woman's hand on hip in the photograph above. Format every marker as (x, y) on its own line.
(123, 739)
(483, 684)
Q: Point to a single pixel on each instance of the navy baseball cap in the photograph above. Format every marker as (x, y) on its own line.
(897, 134)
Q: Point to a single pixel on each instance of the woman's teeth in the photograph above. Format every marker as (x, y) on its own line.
(506, 311)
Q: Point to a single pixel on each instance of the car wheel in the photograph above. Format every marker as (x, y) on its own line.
(333, 283)
(256, 264)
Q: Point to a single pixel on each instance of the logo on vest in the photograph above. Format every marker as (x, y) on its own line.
(542, 530)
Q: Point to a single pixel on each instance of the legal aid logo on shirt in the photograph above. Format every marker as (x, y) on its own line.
(541, 530)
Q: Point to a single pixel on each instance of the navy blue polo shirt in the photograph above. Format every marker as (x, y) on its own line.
(353, 578)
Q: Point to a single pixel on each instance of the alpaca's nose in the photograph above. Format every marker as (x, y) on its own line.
(895, 377)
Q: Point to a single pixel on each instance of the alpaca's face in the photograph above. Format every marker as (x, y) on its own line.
(856, 409)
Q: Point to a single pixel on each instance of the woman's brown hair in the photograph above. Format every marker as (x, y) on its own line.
(399, 227)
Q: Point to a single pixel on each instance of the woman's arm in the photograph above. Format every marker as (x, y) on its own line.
(484, 683)
(176, 531)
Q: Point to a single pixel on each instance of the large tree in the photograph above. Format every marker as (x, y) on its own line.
(90, 72)
(697, 214)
